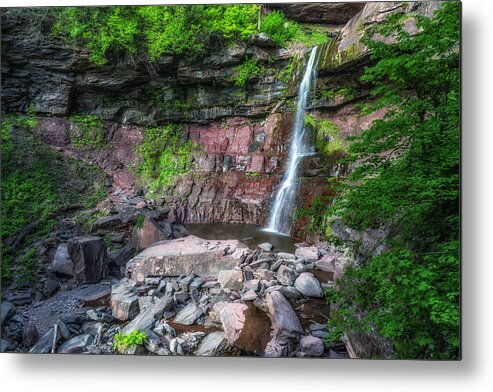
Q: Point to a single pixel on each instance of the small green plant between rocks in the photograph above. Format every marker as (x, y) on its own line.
(122, 342)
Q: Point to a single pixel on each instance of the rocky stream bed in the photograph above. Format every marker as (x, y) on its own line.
(191, 296)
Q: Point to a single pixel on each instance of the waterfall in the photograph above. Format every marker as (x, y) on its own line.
(283, 205)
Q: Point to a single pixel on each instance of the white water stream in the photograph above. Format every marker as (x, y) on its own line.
(280, 217)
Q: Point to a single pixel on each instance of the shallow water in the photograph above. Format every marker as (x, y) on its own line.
(250, 235)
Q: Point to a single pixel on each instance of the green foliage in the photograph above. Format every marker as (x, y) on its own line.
(407, 182)
(151, 31)
(36, 183)
(27, 269)
(310, 36)
(124, 342)
(139, 221)
(164, 156)
(88, 131)
(345, 92)
(279, 28)
(245, 71)
(327, 138)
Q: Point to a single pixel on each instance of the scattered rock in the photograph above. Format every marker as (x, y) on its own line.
(7, 310)
(62, 264)
(76, 345)
(286, 256)
(189, 314)
(245, 326)
(326, 263)
(266, 246)
(309, 253)
(290, 292)
(44, 344)
(20, 299)
(124, 302)
(312, 346)
(308, 285)
(89, 257)
(211, 345)
(284, 320)
(30, 334)
(249, 296)
(231, 279)
(286, 275)
(147, 235)
(121, 256)
(50, 287)
(253, 284)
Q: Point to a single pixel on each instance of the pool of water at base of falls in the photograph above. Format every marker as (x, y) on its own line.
(250, 235)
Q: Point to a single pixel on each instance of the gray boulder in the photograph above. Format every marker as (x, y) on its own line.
(62, 264)
(231, 279)
(286, 275)
(308, 285)
(44, 344)
(76, 345)
(211, 344)
(284, 320)
(124, 302)
(309, 253)
(266, 246)
(312, 346)
(189, 314)
(7, 310)
(30, 334)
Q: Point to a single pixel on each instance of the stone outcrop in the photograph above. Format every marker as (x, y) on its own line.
(348, 50)
(320, 13)
(184, 256)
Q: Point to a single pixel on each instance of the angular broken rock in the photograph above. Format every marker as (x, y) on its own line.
(284, 320)
(245, 326)
(211, 344)
(147, 235)
(308, 285)
(30, 334)
(124, 302)
(7, 311)
(90, 258)
(62, 264)
(230, 279)
(286, 275)
(44, 344)
(309, 253)
(184, 256)
(76, 344)
(189, 314)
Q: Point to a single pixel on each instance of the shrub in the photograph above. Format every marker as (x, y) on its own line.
(279, 28)
(245, 71)
(164, 156)
(88, 131)
(123, 342)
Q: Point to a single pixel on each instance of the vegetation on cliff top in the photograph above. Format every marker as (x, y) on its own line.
(407, 182)
(185, 30)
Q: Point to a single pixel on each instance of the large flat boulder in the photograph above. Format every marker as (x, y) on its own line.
(89, 257)
(184, 256)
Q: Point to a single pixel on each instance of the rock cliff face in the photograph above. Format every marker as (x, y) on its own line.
(244, 132)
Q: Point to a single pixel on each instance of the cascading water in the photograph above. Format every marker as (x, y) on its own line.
(284, 201)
